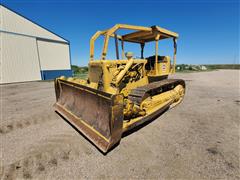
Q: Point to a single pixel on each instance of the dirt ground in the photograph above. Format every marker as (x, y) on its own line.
(199, 139)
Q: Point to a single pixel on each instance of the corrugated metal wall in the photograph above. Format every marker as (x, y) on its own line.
(53, 56)
(12, 22)
(19, 63)
(30, 52)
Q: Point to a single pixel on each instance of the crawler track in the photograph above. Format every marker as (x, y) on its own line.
(139, 94)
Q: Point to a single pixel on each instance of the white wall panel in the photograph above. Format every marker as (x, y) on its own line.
(12, 22)
(19, 59)
(53, 56)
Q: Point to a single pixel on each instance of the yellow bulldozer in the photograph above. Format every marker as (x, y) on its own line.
(120, 94)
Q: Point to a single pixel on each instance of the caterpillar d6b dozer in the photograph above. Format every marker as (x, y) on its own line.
(120, 94)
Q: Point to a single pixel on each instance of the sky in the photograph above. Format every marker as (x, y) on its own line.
(208, 30)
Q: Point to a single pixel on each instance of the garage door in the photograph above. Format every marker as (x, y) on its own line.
(19, 59)
(53, 55)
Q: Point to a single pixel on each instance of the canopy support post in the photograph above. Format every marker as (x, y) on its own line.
(142, 49)
(156, 54)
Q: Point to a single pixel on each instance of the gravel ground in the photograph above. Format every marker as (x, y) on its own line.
(199, 139)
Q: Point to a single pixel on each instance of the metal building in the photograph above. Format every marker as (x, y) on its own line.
(30, 52)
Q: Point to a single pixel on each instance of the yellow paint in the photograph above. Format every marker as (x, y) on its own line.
(121, 76)
(85, 124)
(126, 124)
(152, 104)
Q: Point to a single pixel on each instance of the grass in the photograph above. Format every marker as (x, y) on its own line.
(186, 68)
(223, 66)
(82, 72)
(191, 71)
(81, 75)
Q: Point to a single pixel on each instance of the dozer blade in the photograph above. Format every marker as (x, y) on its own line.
(96, 114)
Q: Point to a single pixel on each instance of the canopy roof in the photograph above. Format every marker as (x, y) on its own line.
(142, 34)
(149, 34)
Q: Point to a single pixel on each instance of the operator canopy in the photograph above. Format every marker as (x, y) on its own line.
(140, 35)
